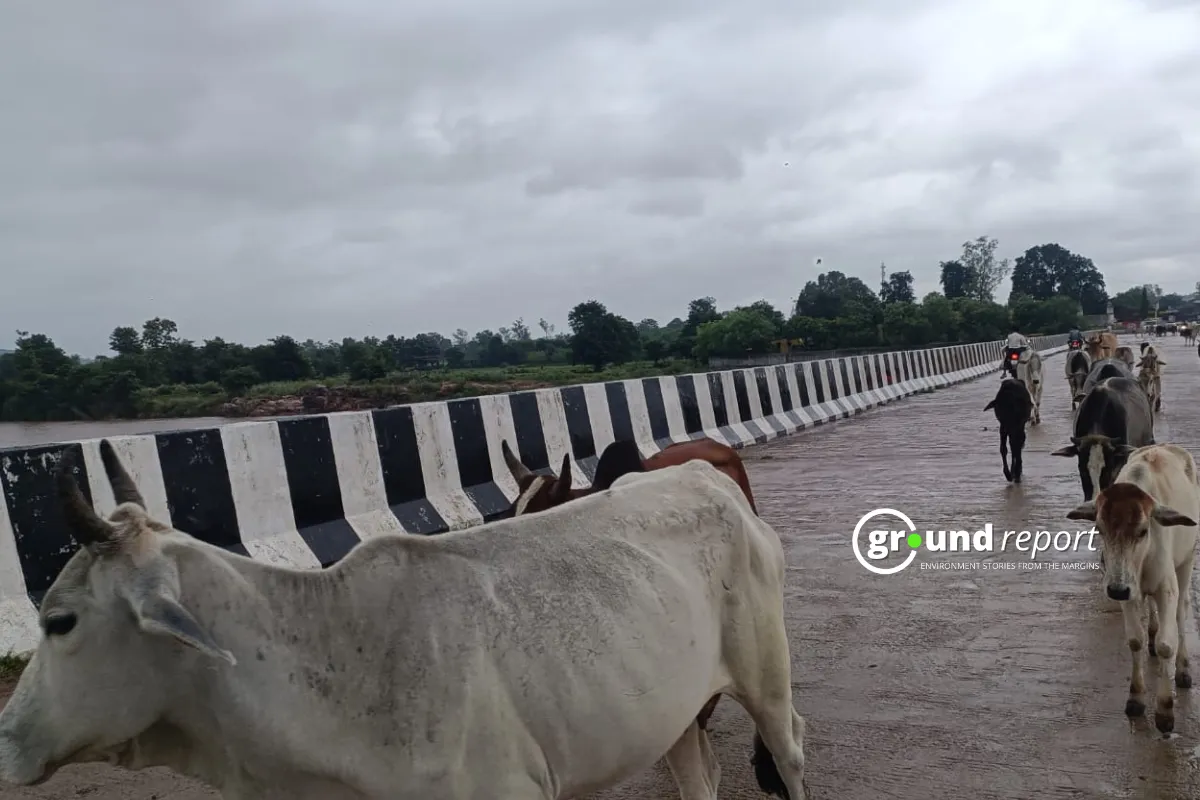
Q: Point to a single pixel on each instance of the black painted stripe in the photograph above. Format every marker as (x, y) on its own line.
(618, 411)
(880, 362)
(785, 390)
(743, 396)
(656, 408)
(761, 382)
(862, 367)
(527, 424)
(199, 496)
(579, 429)
(716, 391)
(314, 489)
(843, 368)
(474, 461)
(403, 479)
(44, 542)
(801, 385)
(906, 366)
(830, 381)
(689, 403)
(818, 383)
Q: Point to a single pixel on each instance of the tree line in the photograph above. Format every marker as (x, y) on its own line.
(1051, 289)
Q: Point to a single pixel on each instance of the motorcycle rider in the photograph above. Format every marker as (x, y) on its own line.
(1075, 337)
(1017, 343)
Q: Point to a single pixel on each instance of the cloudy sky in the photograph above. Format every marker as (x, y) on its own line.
(332, 168)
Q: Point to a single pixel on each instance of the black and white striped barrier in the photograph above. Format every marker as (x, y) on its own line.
(303, 491)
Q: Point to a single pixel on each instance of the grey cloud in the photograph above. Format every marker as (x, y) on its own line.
(358, 167)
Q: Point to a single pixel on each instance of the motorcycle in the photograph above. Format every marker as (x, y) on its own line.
(1010, 364)
(1074, 344)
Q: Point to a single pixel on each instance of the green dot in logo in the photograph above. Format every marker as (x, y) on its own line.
(914, 540)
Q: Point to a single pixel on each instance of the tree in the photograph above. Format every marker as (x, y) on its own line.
(600, 337)
(956, 279)
(834, 295)
(520, 331)
(1144, 305)
(158, 333)
(898, 288)
(125, 341)
(741, 332)
(986, 273)
(768, 312)
(700, 311)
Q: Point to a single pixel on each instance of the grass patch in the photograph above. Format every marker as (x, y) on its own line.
(11, 667)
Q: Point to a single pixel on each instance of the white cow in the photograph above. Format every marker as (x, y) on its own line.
(1029, 372)
(1146, 555)
(546, 656)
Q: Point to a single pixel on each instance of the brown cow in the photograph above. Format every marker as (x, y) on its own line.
(1101, 345)
(540, 492)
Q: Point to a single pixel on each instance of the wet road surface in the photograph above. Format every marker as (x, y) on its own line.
(926, 684)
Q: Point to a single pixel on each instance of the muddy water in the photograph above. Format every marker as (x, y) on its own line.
(29, 434)
(926, 684)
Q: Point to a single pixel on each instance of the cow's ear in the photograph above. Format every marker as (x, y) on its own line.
(1086, 511)
(1164, 515)
(158, 612)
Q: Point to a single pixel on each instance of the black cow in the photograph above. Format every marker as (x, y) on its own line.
(1114, 420)
(1013, 408)
(1101, 369)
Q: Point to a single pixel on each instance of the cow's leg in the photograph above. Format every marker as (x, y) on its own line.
(1018, 443)
(1008, 476)
(761, 668)
(1166, 644)
(1183, 615)
(694, 765)
(1131, 611)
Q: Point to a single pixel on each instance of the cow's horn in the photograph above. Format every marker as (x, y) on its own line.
(88, 526)
(519, 471)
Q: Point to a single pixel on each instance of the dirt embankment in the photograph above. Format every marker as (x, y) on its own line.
(325, 399)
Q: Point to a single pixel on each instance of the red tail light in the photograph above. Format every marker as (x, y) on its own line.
(1014, 356)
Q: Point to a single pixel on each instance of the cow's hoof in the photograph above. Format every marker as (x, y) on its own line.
(1183, 680)
(1164, 721)
(1134, 707)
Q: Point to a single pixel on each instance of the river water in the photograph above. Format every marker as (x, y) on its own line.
(28, 434)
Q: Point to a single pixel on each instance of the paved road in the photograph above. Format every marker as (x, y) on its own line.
(926, 684)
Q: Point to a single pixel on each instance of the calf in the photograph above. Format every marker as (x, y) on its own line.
(1124, 353)
(1113, 420)
(1077, 367)
(1013, 408)
(1101, 345)
(540, 492)
(1147, 556)
(1150, 377)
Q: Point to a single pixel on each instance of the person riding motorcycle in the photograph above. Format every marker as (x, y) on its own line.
(1075, 338)
(1017, 343)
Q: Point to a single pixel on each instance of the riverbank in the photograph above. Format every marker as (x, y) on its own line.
(326, 395)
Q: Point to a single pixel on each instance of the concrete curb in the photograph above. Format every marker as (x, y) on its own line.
(303, 491)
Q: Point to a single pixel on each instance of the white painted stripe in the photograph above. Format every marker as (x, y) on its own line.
(708, 418)
(601, 417)
(19, 631)
(676, 426)
(439, 466)
(498, 426)
(261, 498)
(139, 454)
(635, 395)
(360, 474)
(732, 410)
(557, 434)
(778, 415)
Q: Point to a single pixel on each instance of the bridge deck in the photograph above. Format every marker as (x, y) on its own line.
(925, 684)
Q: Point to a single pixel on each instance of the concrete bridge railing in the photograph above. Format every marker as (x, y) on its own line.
(303, 491)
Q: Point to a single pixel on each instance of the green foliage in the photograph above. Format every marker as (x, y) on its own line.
(152, 372)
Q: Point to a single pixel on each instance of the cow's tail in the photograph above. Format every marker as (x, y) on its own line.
(765, 770)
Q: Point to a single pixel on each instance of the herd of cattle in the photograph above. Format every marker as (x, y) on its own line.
(472, 664)
(1135, 490)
